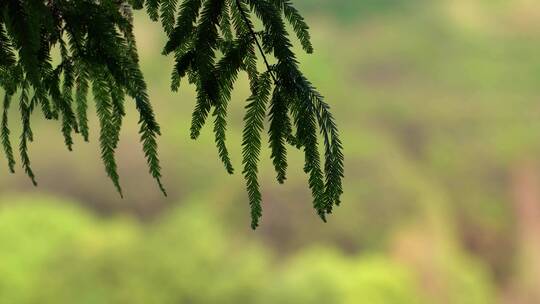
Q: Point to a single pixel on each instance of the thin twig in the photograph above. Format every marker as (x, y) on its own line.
(254, 35)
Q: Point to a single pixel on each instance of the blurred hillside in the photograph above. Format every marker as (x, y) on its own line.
(437, 102)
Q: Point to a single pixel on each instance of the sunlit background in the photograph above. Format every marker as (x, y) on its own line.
(439, 108)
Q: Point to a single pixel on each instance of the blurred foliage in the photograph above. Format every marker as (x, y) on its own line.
(56, 253)
(349, 10)
(322, 276)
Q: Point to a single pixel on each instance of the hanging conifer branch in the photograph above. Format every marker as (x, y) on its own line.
(212, 41)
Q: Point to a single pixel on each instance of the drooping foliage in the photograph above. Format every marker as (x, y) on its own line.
(212, 41)
(97, 50)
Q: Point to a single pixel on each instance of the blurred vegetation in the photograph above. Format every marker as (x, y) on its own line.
(438, 106)
(57, 254)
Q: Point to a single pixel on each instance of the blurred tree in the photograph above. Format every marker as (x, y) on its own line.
(212, 41)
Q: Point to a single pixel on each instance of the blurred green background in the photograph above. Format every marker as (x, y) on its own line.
(439, 108)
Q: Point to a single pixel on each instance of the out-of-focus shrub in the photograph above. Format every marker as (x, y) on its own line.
(321, 276)
(31, 235)
(190, 258)
(53, 253)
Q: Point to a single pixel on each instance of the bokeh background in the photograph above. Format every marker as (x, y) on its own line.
(439, 108)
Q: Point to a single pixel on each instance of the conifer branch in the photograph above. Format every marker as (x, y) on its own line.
(213, 41)
(6, 142)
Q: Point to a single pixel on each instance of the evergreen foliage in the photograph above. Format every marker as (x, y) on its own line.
(212, 42)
